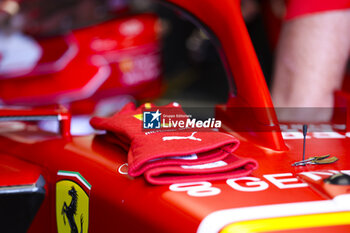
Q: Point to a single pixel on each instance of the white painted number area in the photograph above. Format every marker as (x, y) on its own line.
(251, 184)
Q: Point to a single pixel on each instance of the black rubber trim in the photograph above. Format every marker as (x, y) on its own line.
(19, 205)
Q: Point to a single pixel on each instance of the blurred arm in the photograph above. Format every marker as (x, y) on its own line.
(311, 59)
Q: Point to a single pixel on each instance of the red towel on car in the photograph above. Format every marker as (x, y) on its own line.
(171, 155)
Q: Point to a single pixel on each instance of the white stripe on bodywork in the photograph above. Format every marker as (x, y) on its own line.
(215, 221)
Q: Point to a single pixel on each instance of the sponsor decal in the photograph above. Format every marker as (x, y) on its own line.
(123, 169)
(251, 184)
(72, 203)
(275, 217)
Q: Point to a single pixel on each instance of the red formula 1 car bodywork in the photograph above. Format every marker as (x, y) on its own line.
(117, 57)
(277, 197)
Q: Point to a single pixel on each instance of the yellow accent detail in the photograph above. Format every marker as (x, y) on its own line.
(139, 117)
(289, 223)
(82, 213)
(148, 106)
(126, 65)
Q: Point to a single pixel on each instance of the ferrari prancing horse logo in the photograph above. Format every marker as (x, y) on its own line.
(72, 203)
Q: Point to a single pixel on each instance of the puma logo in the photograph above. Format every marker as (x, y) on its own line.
(191, 137)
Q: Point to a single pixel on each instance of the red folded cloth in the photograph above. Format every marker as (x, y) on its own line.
(229, 167)
(170, 155)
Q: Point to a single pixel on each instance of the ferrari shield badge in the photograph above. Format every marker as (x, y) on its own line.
(72, 203)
